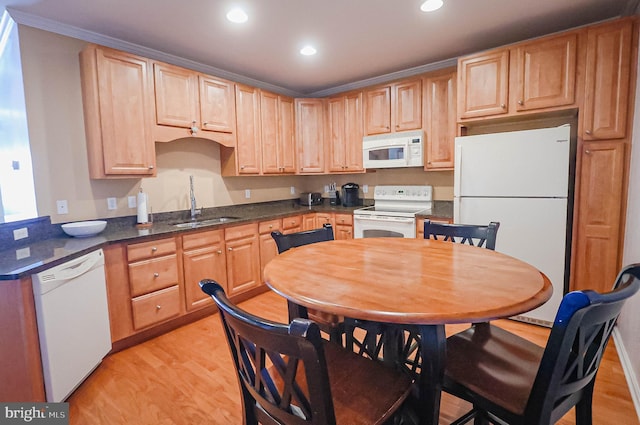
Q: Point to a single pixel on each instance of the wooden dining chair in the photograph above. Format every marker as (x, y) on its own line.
(329, 323)
(511, 380)
(476, 235)
(289, 375)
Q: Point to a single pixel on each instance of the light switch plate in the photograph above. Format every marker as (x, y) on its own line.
(131, 201)
(247, 193)
(293, 190)
(365, 188)
(112, 204)
(62, 206)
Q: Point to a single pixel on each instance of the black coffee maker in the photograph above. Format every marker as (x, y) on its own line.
(350, 193)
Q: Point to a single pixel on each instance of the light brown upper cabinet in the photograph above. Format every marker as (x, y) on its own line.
(344, 133)
(440, 120)
(119, 140)
(247, 152)
(277, 133)
(190, 104)
(483, 84)
(310, 135)
(393, 107)
(607, 80)
(533, 76)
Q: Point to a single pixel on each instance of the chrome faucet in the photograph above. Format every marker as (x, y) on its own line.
(192, 196)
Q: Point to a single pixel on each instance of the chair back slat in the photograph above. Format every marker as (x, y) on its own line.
(292, 240)
(281, 368)
(574, 350)
(475, 235)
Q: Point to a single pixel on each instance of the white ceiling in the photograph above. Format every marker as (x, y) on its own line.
(358, 41)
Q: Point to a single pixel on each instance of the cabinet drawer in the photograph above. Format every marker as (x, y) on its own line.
(269, 226)
(155, 307)
(344, 219)
(151, 275)
(291, 222)
(243, 231)
(151, 249)
(197, 240)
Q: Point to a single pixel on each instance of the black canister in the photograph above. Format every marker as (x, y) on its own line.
(350, 195)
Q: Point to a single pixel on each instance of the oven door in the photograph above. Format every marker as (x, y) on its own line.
(375, 226)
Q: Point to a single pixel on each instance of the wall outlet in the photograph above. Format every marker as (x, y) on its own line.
(62, 206)
(20, 233)
(293, 190)
(112, 204)
(247, 193)
(131, 201)
(326, 188)
(365, 188)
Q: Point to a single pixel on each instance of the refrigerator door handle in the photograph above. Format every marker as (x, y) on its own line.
(457, 170)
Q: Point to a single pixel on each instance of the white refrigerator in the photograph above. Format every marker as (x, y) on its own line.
(523, 180)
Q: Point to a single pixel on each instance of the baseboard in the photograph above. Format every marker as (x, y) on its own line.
(632, 381)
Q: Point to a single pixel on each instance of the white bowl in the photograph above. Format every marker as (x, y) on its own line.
(81, 229)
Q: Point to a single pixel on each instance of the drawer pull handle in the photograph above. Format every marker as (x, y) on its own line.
(219, 251)
(154, 249)
(229, 249)
(158, 307)
(156, 274)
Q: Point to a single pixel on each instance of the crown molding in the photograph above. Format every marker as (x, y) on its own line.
(28, 19)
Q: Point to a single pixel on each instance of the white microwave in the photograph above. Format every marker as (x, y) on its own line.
(394, 150)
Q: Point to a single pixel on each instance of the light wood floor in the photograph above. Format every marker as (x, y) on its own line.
(186, 377)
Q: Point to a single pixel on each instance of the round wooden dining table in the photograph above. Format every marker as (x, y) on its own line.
(420, 283)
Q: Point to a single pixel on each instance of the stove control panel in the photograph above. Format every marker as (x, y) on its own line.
(403, 193)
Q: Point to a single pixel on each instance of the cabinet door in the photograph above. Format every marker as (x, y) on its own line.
(377, 110)
(208, 262)
(243, 258)
(336, 137)
(217, 105)
(269, 133)
(598, 213)
(310, 135)
(607, 81)
(119, 140)
(248, 129)
(407, 105)
(353, 132)
(545, 73)
(176, 96)
(268, 247)
(325, 218)
(343, 228)
(483, 84)
(440, 105)
(308, 222)
(286, 128)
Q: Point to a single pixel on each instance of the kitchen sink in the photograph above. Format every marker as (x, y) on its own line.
(207, 222)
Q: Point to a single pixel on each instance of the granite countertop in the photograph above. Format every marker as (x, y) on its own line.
(55, 247)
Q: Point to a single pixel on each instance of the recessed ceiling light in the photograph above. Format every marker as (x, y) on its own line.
(431, 5)
(237, 16)
(308, 51)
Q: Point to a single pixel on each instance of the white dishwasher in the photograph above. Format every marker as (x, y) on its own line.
(73, 322)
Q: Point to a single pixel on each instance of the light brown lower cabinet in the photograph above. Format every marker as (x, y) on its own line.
(203, 257)
(243, 258)
(268, 247)
(343, 228)
(598, 215)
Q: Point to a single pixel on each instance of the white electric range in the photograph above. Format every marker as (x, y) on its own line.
(394, 212)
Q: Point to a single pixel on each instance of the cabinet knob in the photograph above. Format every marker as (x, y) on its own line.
(242, 167)
(156, 274)
(503, 106)
(271, 226)
(158, 307)
(520, 102)
(428, 162)
(194, 128)
(219, 252)
(154, 249)
(588, 152)
(229, 249)
(151, 167)
(588, 131)
(204, 124)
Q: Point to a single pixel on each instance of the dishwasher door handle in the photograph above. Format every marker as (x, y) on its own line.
(57, 276)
